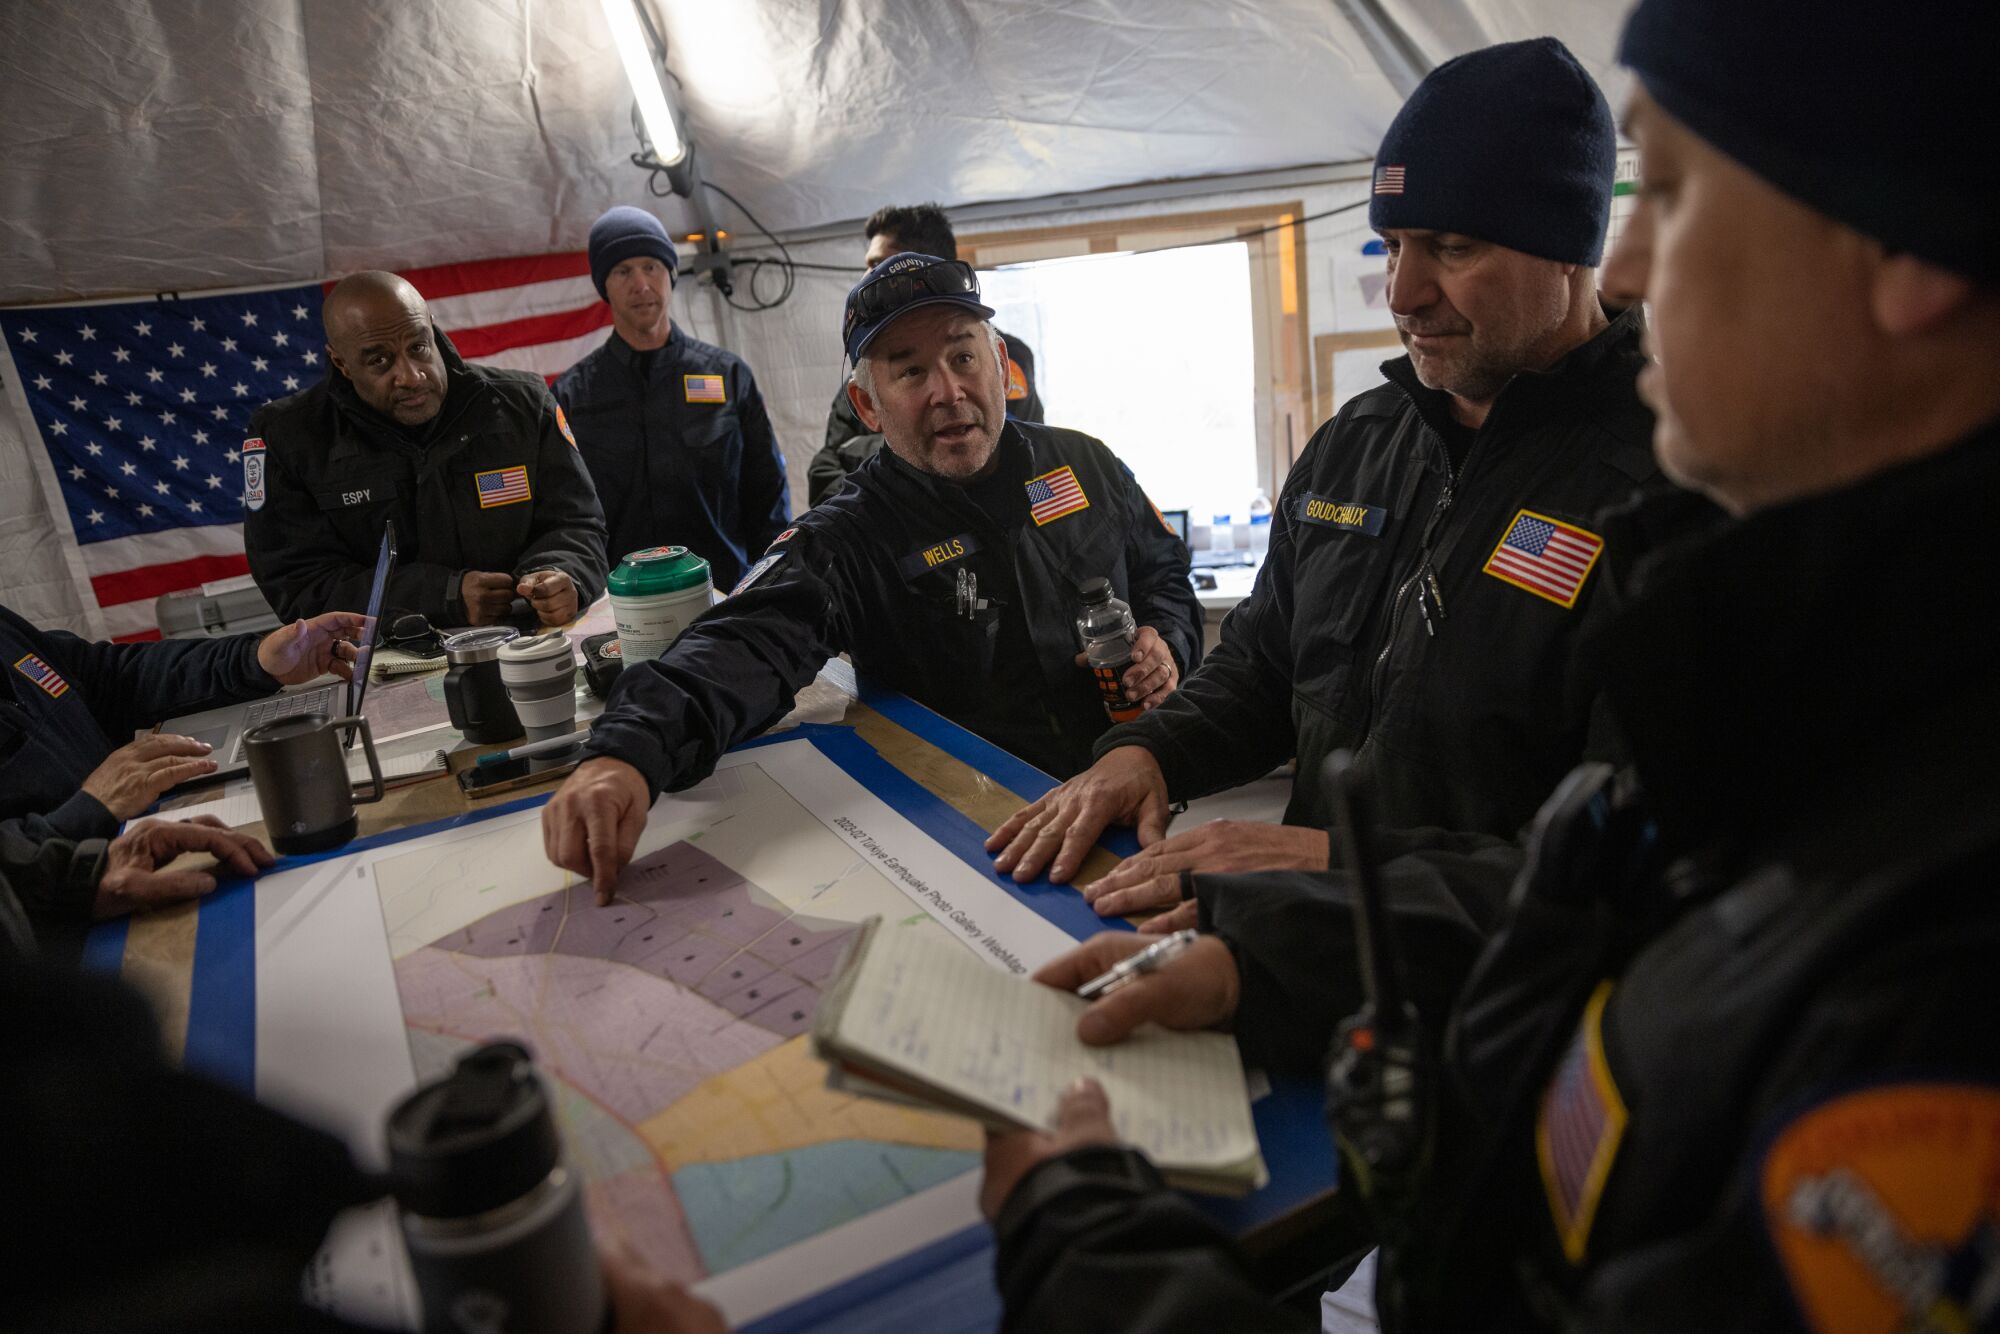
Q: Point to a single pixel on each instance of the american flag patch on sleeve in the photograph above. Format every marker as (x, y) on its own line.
(42, 675)
(1577, 1133)
(1055, 494)
(1545, 556)
(702, 388)
(502, 486)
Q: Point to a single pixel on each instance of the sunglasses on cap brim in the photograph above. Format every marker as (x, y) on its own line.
(892, 291)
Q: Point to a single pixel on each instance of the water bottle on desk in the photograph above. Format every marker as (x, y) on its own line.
(1221, 533)
(1260, 524)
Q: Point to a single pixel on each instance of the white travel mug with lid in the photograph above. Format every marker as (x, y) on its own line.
(540, 676)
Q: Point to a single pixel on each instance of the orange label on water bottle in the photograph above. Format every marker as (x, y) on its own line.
(1112, 692)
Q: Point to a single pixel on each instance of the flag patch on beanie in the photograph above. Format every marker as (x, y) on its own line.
(1388, 180)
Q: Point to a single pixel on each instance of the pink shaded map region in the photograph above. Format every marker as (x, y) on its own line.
(629, 1041)
(682, 916)
(704, 974)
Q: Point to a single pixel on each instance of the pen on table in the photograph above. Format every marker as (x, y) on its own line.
(1133, 967)
(542, 747)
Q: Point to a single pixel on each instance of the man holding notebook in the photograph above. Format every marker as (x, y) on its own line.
(1729, 1063)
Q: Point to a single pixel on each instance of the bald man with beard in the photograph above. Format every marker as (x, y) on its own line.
(496, 518)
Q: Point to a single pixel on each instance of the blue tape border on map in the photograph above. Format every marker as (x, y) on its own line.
(950, 827)
(920, 1263)
(222, 993)
(104, 948)
(221, 1028)
(1012, 772)
(222, 986)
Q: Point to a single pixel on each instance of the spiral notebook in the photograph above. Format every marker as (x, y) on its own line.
(921, 1021)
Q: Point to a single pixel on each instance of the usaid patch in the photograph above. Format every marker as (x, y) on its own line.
(702, 388)
(42, 675)
(756, 572)
(253, 475)
(1350, 515)
(938, 555)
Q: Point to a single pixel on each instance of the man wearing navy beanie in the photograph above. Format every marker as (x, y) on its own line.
(1438, 554)
(1729, 1064)
(673, 429)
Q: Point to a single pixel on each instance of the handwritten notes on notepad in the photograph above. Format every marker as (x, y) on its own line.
(918, 1019)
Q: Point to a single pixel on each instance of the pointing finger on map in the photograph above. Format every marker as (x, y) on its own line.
(592, 824)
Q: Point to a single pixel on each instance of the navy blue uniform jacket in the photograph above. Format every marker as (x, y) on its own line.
(1389, 620)
(66, 703)
(872, 571)
(491, 483)
(682, 452)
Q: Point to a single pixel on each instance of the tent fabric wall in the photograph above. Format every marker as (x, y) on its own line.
(171, 144)
(795, 349)
(177, 145)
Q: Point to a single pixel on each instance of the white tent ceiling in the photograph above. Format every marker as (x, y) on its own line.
(157, 145)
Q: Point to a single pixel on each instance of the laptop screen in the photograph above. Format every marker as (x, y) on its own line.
(385, 561)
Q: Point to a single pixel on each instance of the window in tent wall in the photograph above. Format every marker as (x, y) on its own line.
(1179, 341)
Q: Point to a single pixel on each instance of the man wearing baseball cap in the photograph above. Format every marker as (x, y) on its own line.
(1730, 1064)
(950, 569)
(1439, 552)
(673, 429)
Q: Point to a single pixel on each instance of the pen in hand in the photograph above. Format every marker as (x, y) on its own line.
(1130, 969)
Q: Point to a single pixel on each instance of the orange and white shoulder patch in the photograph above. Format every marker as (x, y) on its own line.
(1884, 1206)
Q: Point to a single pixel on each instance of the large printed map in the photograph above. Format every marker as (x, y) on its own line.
(671, 1024)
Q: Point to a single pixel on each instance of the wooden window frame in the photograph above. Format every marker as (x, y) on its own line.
(1282, 357)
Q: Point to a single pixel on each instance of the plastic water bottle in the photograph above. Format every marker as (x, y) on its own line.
(1107, 630)
(1221, 533)
(1260, 524)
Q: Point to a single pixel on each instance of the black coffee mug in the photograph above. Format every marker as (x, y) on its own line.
(300, 771)
(474, 694)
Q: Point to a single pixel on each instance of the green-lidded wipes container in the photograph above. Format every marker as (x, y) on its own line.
(656, 594)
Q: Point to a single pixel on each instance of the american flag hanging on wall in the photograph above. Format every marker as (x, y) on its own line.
(140, 408)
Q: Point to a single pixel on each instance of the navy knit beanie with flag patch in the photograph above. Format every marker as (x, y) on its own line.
(1512, 144)
(1884, 121)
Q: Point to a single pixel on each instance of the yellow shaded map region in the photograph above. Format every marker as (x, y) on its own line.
(779, 1100)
